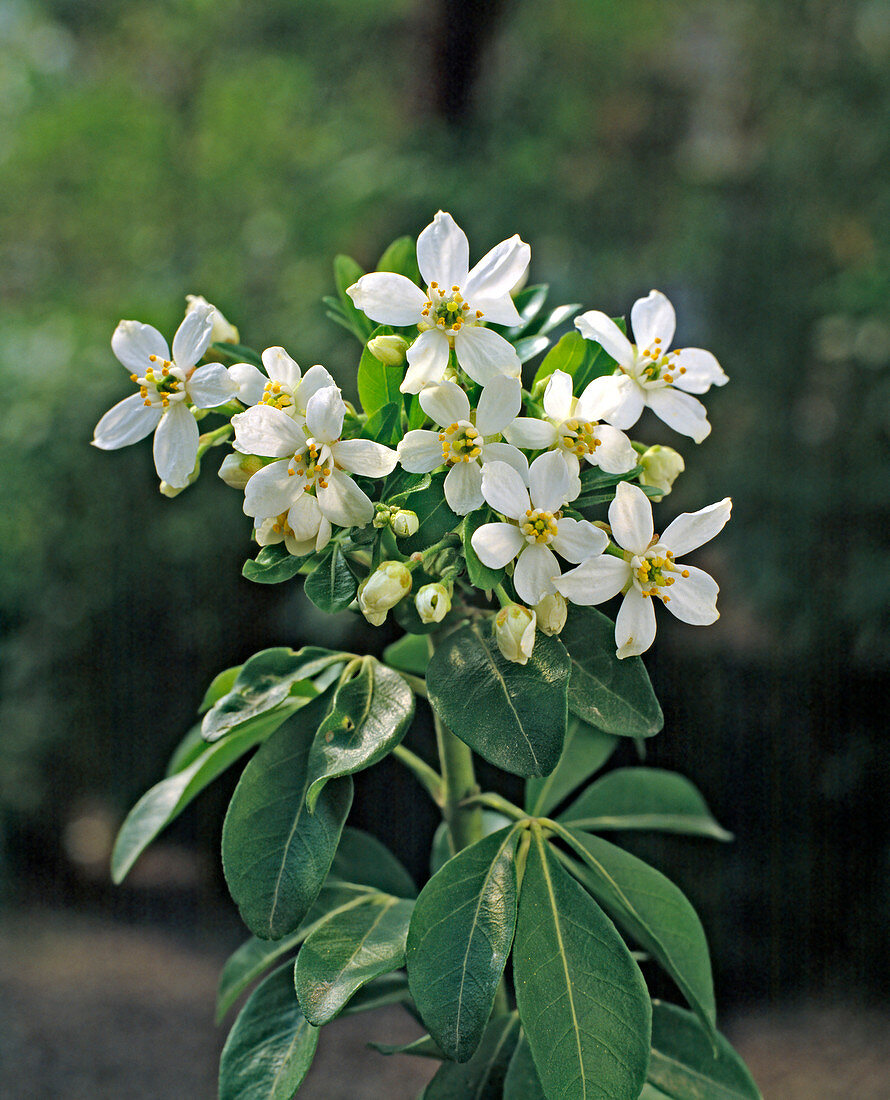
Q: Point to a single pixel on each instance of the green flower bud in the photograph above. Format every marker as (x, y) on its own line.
(433, 602)
(661, 468)
(405, 523)
(551, 613)
(237, 469)
(514, 631)
(389, 582)
(389, 350)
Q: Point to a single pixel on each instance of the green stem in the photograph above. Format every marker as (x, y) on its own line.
(502, 596)
(428, 777)
(416, 683)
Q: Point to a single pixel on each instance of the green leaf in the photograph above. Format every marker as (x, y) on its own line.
(654, 912)
(265, 680)
(596, 364)
(271, 1045)
(220, 685)
(187, 751)
(546, 322)
(347, 272)
(614, 695)
(585, 751)
(166, 800)
(480, 575)
(513, 715)
(238, 353)
(459, 941)
(424, 1047)
(332, 586)
(435, 517)
(583, 1002)
(272, 565)
(255, 956)
(362, 858)
(523, 1082)
(410, 654)
(369, 716)
(348, 949)
(529, 302)
(400, 485)
(482, 1078)
(442, 850)
(643, 798)
(388, 989)
(275, 853)
(683, 1064)
(378, 384)
(401, 257)
(529, 346)
(568, 354)
(385, 425)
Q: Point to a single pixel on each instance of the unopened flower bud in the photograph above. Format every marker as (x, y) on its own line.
(433, 602)
(405, 523)
(661, 468)
(382, 517)
(237, 469)
(551, 613)
(389, 350)
(514, 631)
(389, 582)
(223, 332)
(171, 491)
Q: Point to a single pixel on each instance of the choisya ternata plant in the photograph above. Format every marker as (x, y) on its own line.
(488, 520)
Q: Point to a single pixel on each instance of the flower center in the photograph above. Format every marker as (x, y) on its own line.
(654, 572)
(447, 309)
(278, 396)
(160, 385)
(578, 437)
(460, 443)
(539, 526)
(281, 526)
(653, 364)
(313, 464)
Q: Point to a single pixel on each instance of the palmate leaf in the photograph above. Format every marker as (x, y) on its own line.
(585, 751)
(582, 1000)
(482, 1077)
(459, 941)
(513, 715)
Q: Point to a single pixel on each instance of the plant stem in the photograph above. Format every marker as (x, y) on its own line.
(428, 777)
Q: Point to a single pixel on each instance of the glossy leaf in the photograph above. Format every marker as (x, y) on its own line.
(583, 1002)
(401, 257)
(529, 302)
(388, 989)
(585, 751)
(378, 384)
(221, 684)
(272, 565)
(683, 1063)
(363, 859)
(332, 586)
(441, 850)
(347, 272)
(568, 355)
(349, 948)
(409, 654)
(527, 347)
(275, 853)
(459, 941)
(435, 517)
(654, 912)
(523, 1082)
(480, 575)
(369, 716)
(238, 353)
(187, 751)
(614, 695)
(513, 715)
(423, 1047)
(271, 1045)
(482, 1077)
(644, 798)
(385, 425)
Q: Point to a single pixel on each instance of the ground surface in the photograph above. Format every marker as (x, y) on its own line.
(95, 1010)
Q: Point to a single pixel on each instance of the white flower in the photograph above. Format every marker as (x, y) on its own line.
(552, 613)
(461, 444)
(275, 529)
(649, 570)
(285, 388)
(433, 602)
(572, 427)
(454, 309)
(168, 385)
(382, 590)
(648, 373)
(514, 632)
(537, 523)
(223, 331)
(311, 481)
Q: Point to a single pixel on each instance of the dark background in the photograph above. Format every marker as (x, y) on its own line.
(735, 155)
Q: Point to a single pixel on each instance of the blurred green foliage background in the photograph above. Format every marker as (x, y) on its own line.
(733, 154)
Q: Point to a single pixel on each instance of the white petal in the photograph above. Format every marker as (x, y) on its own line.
(427, 360)
(133, 343)
(558, 396)
(499, 403)
(503, 452)
(531, 433)
(497, 311)
(304, 517)
(499, 270)
(463, 487)
(579, 540)
(315, 379)
(343, 502)
(693, 529)
(595, 580)
(365, 457)
(497, 543)
(630, 517)
(265, 430)
(504, 489)
(388, 298)
(484, 354)
(443, 254)
(324, 534)
(614, 398)
(596, 326)
(272, 491)
(549, 481)
(420, 452)
(635, 625)
(281, 368)
(192, 338)
(702, 371)
(693, 599)
(680, 411)
(211, 386)
(615, 453)
(651, 317)
(533, 577)
(126, 422)
(176, 446)
(250, 382)
(445, 403)
(324, 414)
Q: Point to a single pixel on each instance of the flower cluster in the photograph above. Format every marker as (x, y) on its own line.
(455, 484)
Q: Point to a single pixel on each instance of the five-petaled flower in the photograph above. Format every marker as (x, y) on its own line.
(648, 570)
(453, 311)
(285, 388)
